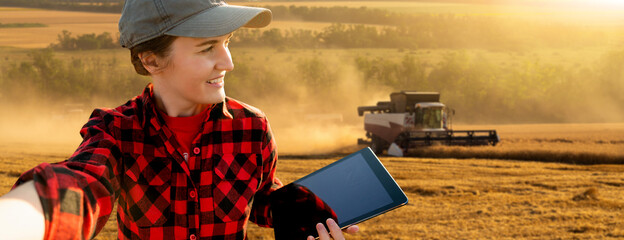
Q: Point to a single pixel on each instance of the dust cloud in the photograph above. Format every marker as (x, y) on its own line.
(319, 121)
(308, 124)
(34, 124)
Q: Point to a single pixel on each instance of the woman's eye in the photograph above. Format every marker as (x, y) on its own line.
(207, 49)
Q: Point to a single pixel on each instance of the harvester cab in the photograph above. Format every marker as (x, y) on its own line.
(430, 116)
(412, 119)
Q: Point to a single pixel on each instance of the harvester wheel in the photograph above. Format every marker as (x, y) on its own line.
(378, 145)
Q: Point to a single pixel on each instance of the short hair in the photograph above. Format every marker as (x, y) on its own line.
(159, 46)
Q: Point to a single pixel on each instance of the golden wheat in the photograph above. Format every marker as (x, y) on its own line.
(449, 198)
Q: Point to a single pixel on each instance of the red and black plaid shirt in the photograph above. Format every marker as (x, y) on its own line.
(128, 154)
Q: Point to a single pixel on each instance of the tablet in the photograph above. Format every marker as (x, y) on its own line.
(350, 190)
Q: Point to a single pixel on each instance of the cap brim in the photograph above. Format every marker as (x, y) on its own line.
(221, 20)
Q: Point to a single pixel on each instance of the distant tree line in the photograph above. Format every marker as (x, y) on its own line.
(85, 41)
(479, 89)
(46, 78)
(21, 25)
(455, 34)
(443, 31)
(341, 14)
(530, 91)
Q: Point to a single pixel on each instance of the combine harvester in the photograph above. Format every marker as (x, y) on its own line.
(413, 119)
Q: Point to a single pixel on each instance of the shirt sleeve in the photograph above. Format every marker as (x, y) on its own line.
(261, 209)
(77, 195)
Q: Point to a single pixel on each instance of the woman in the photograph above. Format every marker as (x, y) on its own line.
(183, 160)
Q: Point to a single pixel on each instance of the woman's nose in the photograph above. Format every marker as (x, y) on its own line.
(224, 62)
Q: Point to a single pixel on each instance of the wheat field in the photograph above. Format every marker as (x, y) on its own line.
(568, 143)
(79, 23)
(454, 198)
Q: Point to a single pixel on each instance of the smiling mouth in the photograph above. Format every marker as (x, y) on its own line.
(215, 81)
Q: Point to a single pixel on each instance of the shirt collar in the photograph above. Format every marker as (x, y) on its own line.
(150, 111)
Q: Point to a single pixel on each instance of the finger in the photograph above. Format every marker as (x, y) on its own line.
(310, 237)
(352, 229)
(322, 232)
(335, 230)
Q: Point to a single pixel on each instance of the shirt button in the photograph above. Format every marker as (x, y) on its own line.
(196, 150)
(193, 237)
(192, 194)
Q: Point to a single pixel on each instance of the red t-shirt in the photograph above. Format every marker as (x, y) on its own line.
(185, 129)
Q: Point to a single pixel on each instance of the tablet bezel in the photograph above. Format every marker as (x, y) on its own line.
(389, 184)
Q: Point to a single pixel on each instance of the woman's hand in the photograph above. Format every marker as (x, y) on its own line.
(21, 213)
(334, 230)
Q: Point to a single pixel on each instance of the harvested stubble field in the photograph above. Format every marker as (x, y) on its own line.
(79, 23)
(454, 198)
(567, 143)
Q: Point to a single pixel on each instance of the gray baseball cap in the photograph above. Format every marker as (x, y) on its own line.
(143, 20)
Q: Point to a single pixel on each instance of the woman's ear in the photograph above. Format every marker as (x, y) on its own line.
(150, 62)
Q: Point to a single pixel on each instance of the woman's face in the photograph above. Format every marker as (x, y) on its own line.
(195, 70)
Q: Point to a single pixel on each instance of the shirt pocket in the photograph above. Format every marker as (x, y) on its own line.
(148, 190)
(236, 181)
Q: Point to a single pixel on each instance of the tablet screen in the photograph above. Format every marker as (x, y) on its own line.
(350, 190)
(353, 184)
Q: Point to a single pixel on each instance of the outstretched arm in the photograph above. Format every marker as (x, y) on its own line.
(76, 195)
(21, 214)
